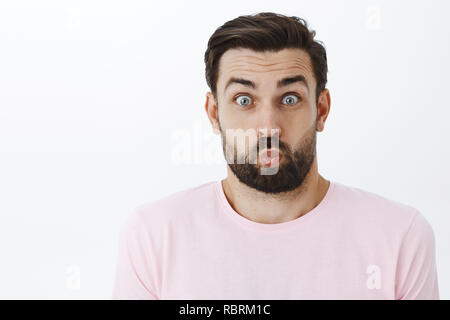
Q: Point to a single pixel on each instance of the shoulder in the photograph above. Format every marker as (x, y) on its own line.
(369, 202)
(173, 208)
(378, 212)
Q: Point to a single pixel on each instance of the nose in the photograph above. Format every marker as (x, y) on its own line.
(269, 123)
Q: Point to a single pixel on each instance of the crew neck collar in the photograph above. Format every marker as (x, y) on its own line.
(257, 226)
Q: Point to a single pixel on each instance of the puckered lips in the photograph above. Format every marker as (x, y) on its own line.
(269, 157)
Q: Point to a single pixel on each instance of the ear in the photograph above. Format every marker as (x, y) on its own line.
(323, 109)
(212, 112)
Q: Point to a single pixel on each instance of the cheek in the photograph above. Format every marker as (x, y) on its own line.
(229, 119)
(300, 118)
(297, 126)
(308, 114)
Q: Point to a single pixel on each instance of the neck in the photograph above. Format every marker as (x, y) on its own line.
(261, 207)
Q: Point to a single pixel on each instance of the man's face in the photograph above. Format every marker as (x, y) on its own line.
(263, 102)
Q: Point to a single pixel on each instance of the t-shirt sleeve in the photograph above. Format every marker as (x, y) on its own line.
(133, 278)
(416, 275)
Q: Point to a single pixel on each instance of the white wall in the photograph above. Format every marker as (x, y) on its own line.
(94, 93)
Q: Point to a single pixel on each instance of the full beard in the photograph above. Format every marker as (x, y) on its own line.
(291, 173)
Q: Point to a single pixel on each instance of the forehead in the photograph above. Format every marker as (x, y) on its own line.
(264, 65)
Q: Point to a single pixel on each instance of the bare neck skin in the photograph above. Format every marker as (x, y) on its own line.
(260, 207)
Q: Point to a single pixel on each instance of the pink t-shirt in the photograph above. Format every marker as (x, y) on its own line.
(353, 245)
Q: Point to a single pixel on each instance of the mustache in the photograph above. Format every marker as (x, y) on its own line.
(267, 143)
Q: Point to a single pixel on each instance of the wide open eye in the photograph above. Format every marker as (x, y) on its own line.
(290, 99)
(243, 100)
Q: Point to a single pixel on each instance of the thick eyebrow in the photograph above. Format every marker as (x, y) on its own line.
(280, 83)
(288, 81)
(244, 82)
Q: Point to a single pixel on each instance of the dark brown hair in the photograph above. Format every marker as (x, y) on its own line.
(265, 31)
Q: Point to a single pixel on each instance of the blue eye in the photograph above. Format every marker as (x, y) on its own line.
(245, 99)
(292, 100)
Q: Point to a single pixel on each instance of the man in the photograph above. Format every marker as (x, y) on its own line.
(286, 233)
